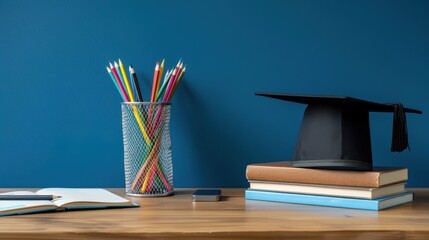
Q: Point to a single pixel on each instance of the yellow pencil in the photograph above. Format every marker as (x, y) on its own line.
(127, 83)
(146, 181)
(134, 108)
(137, 113)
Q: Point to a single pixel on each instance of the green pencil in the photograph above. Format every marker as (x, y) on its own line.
(164, 84)
(114, 81)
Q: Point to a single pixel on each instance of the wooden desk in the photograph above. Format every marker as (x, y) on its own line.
(177, 217)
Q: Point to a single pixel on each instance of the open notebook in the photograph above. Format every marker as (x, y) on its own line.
(71, 199)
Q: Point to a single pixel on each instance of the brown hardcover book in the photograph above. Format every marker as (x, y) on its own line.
(284, 172)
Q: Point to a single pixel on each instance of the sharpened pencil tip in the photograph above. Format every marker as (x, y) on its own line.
(119, 60)
(116, 64)
(111, 66)
(108, 69)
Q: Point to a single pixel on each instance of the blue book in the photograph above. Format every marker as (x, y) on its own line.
(365, 204)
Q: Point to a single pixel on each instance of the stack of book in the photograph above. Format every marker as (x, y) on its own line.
(370, 190)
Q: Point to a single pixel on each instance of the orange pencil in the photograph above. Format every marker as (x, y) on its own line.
(154, 83)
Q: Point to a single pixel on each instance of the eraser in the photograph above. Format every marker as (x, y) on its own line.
(206, 196)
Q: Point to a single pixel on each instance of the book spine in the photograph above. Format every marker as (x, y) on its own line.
(313, 176)
(312, 200)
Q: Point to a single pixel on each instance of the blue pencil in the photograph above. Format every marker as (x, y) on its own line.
(136, 83)
(133, 88)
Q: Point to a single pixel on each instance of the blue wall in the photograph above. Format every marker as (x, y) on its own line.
(60, 123)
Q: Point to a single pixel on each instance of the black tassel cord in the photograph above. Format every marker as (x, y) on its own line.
(400, 132)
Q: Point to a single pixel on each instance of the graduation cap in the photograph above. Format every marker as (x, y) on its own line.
(335, 132)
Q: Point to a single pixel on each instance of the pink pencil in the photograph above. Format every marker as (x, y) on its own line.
(170, 86)
(121, 86)
(164, 100)
(167, 95)
(176, 79)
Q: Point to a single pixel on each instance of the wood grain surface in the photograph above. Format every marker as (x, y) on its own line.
(177, 217)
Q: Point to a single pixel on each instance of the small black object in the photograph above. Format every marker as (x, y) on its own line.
(206, 196)
(28, 197)
(335, 132)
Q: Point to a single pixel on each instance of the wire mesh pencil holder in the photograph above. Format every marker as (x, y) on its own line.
(147, 149)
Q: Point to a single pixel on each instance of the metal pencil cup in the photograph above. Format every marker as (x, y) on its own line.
(147, 149)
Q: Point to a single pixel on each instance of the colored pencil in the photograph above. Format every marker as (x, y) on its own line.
(178, 69)
(178, 82)
(164, 100)
(167, 76)
(125, 79)
(133, 88)
(161, 175)
(164, 84)
(118, 71)
(146, 180)
(146, 164)
(28, 197)
(155, 78)
(134, 108)
(169, 86)
(152, 175)
(158, 80)
(114, 81)
(136, 83)
(118, 80)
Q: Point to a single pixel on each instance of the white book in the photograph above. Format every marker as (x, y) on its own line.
(329, 190)
(70, 199)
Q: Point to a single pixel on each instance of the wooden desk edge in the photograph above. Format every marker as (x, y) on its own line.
(387, 235)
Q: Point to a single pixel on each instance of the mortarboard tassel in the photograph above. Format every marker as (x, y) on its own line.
(400, 132)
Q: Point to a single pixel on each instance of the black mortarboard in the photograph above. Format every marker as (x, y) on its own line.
(335, 132)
